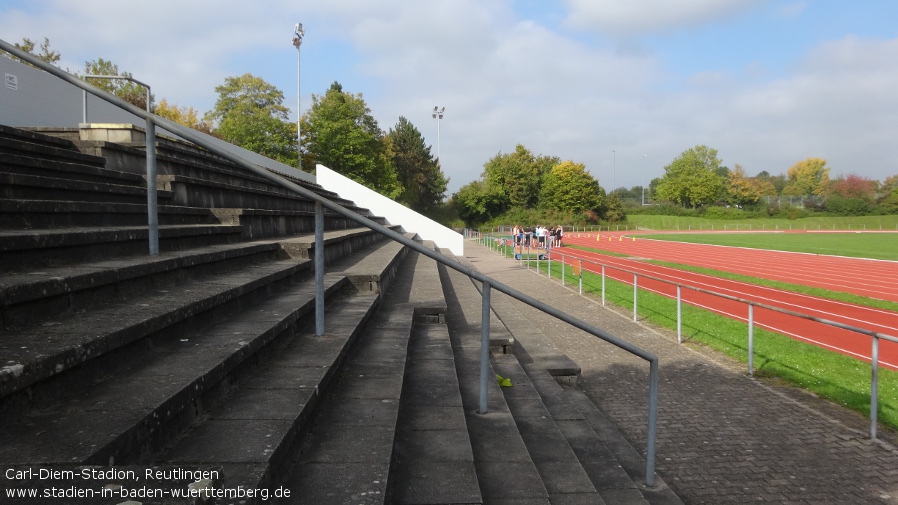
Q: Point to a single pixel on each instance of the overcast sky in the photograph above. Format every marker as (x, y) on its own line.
(621, 86)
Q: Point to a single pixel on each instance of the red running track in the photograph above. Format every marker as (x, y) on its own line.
(774, 265)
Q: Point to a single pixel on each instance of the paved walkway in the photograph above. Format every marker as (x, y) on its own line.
(723, 437)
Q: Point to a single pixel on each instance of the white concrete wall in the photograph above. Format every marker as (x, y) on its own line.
(396, 213)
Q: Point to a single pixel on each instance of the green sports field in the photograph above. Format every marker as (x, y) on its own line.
(873, 245)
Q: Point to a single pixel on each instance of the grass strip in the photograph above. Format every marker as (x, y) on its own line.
(836, 377)
(883, 246)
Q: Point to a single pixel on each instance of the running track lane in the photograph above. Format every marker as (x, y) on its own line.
(843, 341)
(864, 277)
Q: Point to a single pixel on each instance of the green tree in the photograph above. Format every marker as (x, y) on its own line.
(568, 187)
(423, 183)
(520, 175)
(742, 190)
(46, 55)
(693, 179)
(807, 178)
(343, 135)
(251, 113)
(187, 116)
(128, 91)
(613, 210)
(479, 201)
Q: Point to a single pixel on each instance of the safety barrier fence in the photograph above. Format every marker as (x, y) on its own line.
(503, 244)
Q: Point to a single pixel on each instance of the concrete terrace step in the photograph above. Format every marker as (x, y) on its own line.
(90, 169)
(346, 457)
(33, 296)
(36, 187)
(564, 477)
(30, 249)
(145, 393)
(270, 410)
(505, 469)
(530, 345)
(150, 393)
(40, 351)
(48, 214)
(17, 141)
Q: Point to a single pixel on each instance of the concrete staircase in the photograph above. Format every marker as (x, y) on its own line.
(129, 378)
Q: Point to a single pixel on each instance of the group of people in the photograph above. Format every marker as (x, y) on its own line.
(538, 237)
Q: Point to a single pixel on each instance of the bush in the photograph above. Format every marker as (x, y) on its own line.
(842, 206)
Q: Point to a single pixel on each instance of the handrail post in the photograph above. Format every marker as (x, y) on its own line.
(635, 291)
(751, 339)
(652, 423)
(484, 347)
(679, 314)
(581, 275)
(603, 285)
(874, 386)
(152, 201)
(562, 270)
(319, 268)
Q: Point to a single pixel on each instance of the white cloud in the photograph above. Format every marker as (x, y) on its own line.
(637, 17)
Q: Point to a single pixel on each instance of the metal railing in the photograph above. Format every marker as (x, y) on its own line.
(875, 336)
(322, 203)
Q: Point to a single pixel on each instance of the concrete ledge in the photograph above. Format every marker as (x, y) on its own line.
(34, 249)
(40, 352)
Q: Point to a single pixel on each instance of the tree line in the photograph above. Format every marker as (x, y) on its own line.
(697, 178)
(338, 131)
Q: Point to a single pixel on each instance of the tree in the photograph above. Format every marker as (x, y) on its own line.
(520, 175)
(46, 55)
(187, 116)
(742, 190)
(613, 210)
(250, 113)
(888, 198)
(478, 202)
(854, 186)
(807, 178)
(128, 91)
(568, 187)
(693, 179)
(423, 183)
(341, 133)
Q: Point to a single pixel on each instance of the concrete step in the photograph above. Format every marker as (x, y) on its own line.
(39, 187)
(28, 250)
(371, 418)
(47, 214)
(29, 297)
(45, 350)
(505, 470)
(250, 435)
(145, 393)
(618, 470)
(271, 410)
(19, 142)
(33, 297)
(157, 353)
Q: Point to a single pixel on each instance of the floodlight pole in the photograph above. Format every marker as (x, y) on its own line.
(298, 33)
(438, 115)
(613, 170)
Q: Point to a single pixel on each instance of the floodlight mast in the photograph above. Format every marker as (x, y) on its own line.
(438, 115)
(298, 33)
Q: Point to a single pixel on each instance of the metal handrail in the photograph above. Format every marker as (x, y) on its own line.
(320, 203)
(874, 335)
